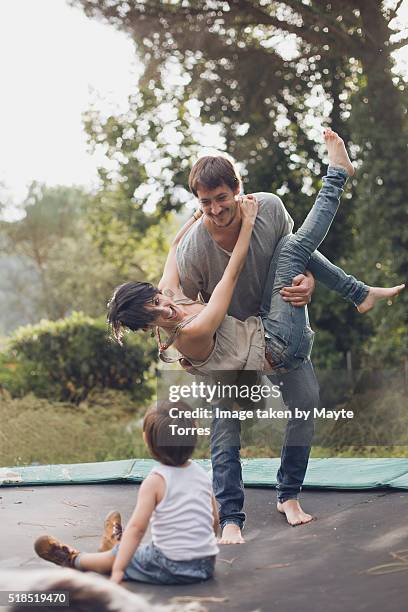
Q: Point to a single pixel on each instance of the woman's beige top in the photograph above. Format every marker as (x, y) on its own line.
(239, 345)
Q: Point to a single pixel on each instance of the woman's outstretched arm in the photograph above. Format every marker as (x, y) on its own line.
(211, 316)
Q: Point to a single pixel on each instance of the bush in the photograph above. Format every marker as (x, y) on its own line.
(63, 360)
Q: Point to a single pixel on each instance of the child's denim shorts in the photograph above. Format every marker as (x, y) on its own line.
(149, 564)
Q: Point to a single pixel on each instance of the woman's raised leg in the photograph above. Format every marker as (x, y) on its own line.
(298, 248)
(347, 286)
(336, 279)
(284, 323)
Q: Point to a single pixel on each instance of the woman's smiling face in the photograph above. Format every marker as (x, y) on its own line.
(165, 310)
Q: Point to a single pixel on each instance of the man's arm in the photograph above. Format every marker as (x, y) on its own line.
(301, 291)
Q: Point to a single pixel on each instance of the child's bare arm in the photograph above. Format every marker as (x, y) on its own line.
(216, 518)
(135, 529)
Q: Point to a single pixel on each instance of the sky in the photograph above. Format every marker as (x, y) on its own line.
(55, 63)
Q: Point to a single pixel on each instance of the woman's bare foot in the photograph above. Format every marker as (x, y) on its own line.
(231, 534)
(378, 293)
(337, 152)
(294, 513)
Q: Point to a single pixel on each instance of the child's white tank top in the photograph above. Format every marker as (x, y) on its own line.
(182, 523)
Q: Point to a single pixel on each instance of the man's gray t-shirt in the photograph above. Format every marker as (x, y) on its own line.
(201, 261)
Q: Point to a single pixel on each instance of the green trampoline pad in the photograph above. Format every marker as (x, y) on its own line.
(330, 473)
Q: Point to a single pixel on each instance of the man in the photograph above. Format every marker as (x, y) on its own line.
(201, 258)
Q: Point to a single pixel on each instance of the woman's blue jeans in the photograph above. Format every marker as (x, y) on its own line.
(288, 328)
(288, 335)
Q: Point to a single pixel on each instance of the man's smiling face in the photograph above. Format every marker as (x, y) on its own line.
(219, 205)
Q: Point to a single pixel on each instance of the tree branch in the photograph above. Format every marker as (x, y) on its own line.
(398, 45)
(393, 12)
(311, 16)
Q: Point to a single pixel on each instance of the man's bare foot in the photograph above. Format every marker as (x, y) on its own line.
(337, 152)
(294, 513)
(378, 293)
(231, 534)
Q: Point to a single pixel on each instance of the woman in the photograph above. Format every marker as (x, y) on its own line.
(280, 338)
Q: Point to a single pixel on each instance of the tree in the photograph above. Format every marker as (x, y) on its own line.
(53, 266)
(146, 152)
(341, 58)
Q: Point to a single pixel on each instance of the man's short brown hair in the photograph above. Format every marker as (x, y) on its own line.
(212, 171)
(170, 449)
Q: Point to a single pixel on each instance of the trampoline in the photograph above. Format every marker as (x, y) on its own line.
(353, 556)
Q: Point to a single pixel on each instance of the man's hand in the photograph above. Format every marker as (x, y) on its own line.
(300, 293)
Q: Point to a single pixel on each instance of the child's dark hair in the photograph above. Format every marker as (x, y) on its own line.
(170, 449)
(127, 307)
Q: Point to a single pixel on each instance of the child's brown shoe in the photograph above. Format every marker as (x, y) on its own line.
(112, 531)
(50, 549)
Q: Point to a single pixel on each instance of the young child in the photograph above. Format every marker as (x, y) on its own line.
(177, 499)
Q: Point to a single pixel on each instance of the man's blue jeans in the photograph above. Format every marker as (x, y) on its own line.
(299, 389)
(288, 332)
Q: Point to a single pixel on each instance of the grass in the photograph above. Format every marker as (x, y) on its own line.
(107, 426)
(40, 432)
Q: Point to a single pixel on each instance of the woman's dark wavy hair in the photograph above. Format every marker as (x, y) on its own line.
(127, 308)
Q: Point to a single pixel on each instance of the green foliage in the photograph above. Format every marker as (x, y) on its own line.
(380, 419)
(51, 265)
(148, 150)
(389, 343)
(132, 254)
(268, 104)
(105, 427)
(64, 360)
(49, 214)
(68, 253)
(382, 203)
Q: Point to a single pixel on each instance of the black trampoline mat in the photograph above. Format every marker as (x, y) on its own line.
(317, 567)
